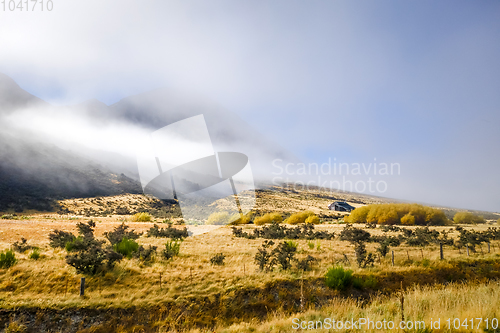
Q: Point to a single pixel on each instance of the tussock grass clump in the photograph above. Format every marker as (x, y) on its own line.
(268, 219)
(7, 259)
(141, 217)
(300, 217)
(35, 254)
(468, 218)
(401, 213)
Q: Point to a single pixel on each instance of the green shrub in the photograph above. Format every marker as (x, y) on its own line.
(310, 244)
(337, 278)
(313, 219)
(368, 282)
(268, 219)
(299, 217)
(218, 218)
(218, 259)
(126, 247)
(7, 259)
(498, 221)
(141, 217)
(467, 218)
(172, 248)
(35, 254)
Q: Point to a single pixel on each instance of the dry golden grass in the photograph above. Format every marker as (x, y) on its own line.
(463, 301)
(44, 282)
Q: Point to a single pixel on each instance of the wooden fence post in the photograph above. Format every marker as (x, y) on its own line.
(160, 280)
(422, 253)
(488, 247)
(392, 257)
(441, 254)
(82, 286)
(467, 246)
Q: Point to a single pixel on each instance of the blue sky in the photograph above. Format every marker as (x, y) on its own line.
(412, 82)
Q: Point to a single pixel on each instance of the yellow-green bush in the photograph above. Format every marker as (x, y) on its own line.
(299, 217)
(313, 219)
(268, 218)
(498, 221)
(245, 219)
(467, 218)
(218, 218)
(409, 214)
(141, 217)
(408, 219)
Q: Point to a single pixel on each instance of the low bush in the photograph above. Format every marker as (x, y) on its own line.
(22, 246)
(172, 249)
(119, 233)
(245, 219)
(313, 219)
(218, 259)
(168, 232)
(352, 234)
(126, 247)
(264, 258)
(141, 217)
(7, 259)
(284, 254)
(299, 217)
(277, 231)
(467, 218)
(306, 263)
(337, 278)
(87, 254)
(268, 219)
(35, 254)
(146, 254)
(59, 238)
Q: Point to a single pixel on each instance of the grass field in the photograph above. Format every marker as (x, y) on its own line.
(188, 291)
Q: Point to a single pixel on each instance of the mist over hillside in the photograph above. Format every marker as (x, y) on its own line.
(52, 152)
